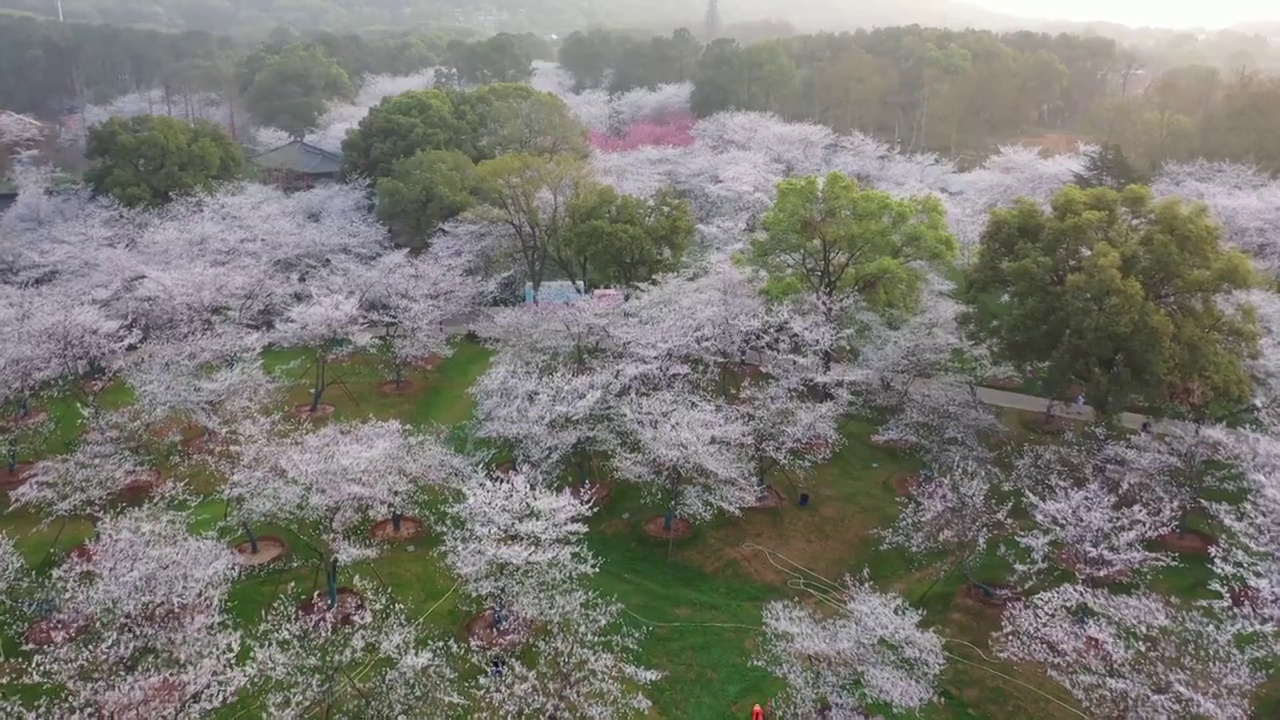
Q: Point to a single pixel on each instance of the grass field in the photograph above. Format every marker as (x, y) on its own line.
(701, 597)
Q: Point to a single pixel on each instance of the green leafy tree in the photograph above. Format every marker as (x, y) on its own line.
(425, 190)
(148, 160)
(623, 240)
(1119, 293)
(399, 127)
(530, 195)
(515, 118)
(503, 58)
(837, 240)
(293, 89)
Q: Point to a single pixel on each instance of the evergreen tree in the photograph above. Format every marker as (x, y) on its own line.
(1107, 167)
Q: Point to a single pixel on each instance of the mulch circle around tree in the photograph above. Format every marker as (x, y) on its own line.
(1191, 542)
(56, 629)
(1004, 594)
(303, 412)
(139, 484)
(31, 418)
(429, 363)
(270, 549)
(391, 387)
(195, 440)
(770, 499)
(351, 609)
(1003, 382)
(16, 479)
(877, 441)
(385, 530)
(482, 633)
(1243, 596)
(81, 553)
(1069, 561)
(594, 493)
(906, 484)
(680, 528)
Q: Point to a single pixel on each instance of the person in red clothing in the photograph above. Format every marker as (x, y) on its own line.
(757, 712)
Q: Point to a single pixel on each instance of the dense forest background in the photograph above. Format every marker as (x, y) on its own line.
(1161, 95)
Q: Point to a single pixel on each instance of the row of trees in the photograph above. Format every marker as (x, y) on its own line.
(941, 90)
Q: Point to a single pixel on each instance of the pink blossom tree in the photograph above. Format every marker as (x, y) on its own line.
(87, 481)
(686, 452)
(554, 417)
(146, 632)
(1092, 511)
(330, 485)
(580, 664)
(1133, 656)
(374, 664)
(959, 509)
(516, 544)
(332, 327)
(872, 650)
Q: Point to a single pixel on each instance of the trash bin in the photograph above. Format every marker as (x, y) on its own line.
(804, 499)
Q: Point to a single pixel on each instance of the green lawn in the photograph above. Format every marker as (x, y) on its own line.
(700, 598)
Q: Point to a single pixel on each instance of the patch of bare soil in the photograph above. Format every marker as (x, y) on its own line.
(483, 632)
(138, 485)
(1048, 424)
(1191, 542)
(995, 595)
(595, 493)
(429, 363)
(904, 485)
(350, 609)
(56, 629)
(385, 530)
(304, 412)
(655, 527)
(770, 499)
(15, 479)
(391, 387)
(270, 549)
(16, 421)
(1002, 382)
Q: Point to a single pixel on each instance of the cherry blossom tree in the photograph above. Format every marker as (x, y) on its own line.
(1246, 560)
(790, 430)
(1133, 656)
(87, 481)
(330, 485)
(958, 509)
(207, 379)
(516, 543)
(871, 651)
(13, 568)
(145, 627)
(553, 416)
(82, 341)
(581, 664)
(945, 422)
(687, 453)
(332, 327)
(376, 664)
(1091, 510)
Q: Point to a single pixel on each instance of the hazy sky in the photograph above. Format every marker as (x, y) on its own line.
(1161, 13)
